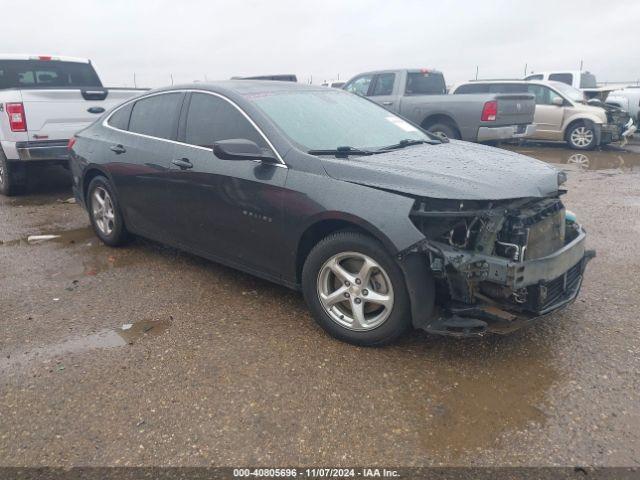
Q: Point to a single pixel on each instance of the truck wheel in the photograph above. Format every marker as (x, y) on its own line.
(13, 177)
(443, 130)
(104, 212)
(355, 290)
(581, 136)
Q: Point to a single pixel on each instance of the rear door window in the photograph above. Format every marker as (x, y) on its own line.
(156, 116)
(211, 119)
(562, 77)
(425, 83)
(383, 84)
(360, 85)
(46, 73)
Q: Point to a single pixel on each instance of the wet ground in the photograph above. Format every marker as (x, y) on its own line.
(144, 356)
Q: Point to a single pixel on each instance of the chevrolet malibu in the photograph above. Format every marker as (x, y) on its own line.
(380, 225)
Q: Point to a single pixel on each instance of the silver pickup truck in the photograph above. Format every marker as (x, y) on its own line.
(420, 96)
(44, 100)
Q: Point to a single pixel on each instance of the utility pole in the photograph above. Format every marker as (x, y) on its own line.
(581, 64)
(525, 69)
(171, 74)
(477, 69)
(135, 85)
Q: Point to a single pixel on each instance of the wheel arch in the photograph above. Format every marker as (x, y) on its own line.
(331, 222)
(434, 118)
(572, 121)
(89, 174)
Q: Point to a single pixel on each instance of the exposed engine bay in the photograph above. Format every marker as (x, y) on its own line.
(498, 264)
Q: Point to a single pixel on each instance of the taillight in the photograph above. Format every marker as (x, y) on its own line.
(72, 142)
(17, 120)
(490, 111)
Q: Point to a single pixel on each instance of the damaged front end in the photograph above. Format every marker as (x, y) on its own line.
(498, 265)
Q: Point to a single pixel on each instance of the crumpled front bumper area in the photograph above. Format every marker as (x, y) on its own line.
(497, 295)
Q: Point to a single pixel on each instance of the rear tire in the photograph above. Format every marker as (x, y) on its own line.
(443, 130)
(13, 177)
(581, 136)
(104, 212)
(355, 290)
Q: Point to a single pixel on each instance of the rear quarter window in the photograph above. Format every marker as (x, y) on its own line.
(120, 119)
(156, 116)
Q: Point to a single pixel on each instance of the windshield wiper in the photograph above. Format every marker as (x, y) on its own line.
(341, 152)
(406, 143)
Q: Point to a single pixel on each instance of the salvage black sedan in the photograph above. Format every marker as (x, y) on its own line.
(382, 226)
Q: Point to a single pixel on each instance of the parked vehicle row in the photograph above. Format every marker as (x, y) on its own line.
(421, 96)
(561, 112)
(286, 181)
(43, 101)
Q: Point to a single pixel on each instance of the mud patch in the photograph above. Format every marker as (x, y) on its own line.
(474, 405)
(107, 338)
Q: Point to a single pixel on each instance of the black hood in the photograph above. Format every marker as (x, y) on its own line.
(455, 170)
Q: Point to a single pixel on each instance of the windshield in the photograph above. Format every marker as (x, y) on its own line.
(327, 119)
(568, 91)
(46, 73)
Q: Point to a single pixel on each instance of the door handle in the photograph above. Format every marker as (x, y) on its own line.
(117, 149)
(182, 163)
(387, 103)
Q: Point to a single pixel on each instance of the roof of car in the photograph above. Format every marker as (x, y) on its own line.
(26, 56)
(246, 87)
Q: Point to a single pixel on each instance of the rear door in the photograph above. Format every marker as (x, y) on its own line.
(228, 209)
(383, 91)
(139, 160)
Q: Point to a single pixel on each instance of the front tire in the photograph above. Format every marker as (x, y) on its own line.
(104, 212)
(581, 136)
(13, 177)
(355, 290)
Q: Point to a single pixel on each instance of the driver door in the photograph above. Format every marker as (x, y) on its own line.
(548, 117)
(227, 209)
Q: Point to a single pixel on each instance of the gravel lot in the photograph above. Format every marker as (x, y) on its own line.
(221, 368)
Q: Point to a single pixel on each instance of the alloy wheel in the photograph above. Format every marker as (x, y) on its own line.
(581, 136)
(103, 211)
(355, 291)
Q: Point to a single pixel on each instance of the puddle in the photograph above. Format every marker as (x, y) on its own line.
(64, 237)
(34, 201)
(108, 338)
(611, 158)
(90, 257)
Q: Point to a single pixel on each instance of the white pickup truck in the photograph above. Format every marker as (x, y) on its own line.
(44, 100)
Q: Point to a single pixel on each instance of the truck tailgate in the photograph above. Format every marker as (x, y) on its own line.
(515, 109)
(56, 114)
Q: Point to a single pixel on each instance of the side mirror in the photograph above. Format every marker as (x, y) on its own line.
(240, 149)
(557, 101)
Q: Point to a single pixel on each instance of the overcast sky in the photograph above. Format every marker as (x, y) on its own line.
(216, 39)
